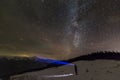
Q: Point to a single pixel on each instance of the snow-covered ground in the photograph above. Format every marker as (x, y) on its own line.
(87, 70)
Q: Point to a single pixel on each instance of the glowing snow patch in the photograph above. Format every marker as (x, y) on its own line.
(63, 75)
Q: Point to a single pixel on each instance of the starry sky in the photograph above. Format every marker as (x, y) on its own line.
(59, 29)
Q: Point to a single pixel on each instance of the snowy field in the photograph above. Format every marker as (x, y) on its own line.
(87, 70)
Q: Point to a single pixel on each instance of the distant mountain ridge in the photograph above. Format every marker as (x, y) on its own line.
(15, 65)
(12, 65)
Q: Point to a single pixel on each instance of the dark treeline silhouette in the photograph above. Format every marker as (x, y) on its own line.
(103, 55)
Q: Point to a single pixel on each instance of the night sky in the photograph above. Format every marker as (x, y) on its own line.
(59, 29)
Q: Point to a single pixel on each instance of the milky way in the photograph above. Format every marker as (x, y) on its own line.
(59, 29)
